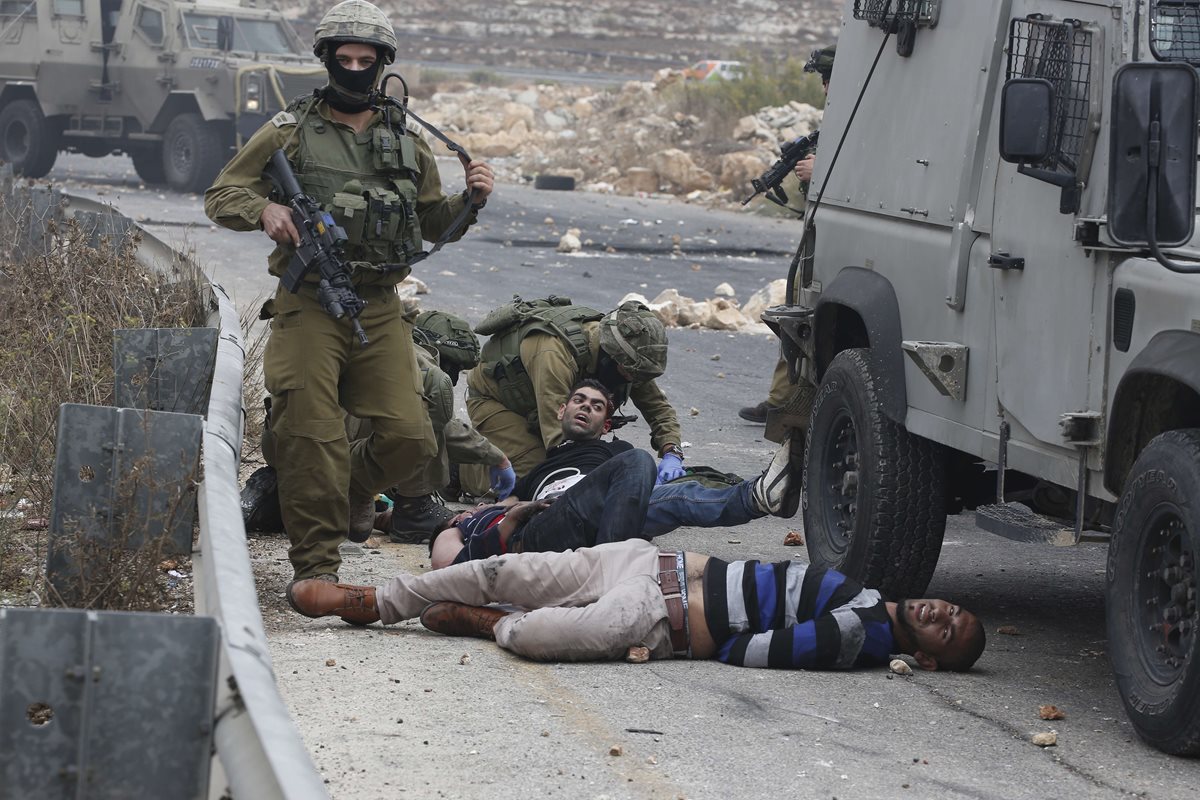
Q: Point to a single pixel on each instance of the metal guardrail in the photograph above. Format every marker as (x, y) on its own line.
(258, 751)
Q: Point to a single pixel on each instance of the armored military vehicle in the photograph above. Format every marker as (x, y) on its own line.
(176, 85)
(998, 304)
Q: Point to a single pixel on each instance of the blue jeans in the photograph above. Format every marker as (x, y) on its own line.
(608, 505)
(688, 503)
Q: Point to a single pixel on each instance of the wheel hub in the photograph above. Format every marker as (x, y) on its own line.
(16, 140)
(181, 155)
(1166, 597)
(841, 490)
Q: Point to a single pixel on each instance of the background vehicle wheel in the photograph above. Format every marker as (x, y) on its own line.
(28, 140)
(874, 494)
(192, 153)
(148, 164)
(556, 183)
(1151, 587)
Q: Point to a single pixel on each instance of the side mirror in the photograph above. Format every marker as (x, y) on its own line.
(1026, 120)
(1152, 160)
(225, 33)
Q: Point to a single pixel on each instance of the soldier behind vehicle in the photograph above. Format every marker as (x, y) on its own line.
(820, 62)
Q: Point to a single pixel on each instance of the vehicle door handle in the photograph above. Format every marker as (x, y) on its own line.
(1002, 260)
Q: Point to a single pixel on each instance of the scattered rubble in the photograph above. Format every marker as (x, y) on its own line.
(1008, 630)
(793, 539)
(1047, 739)
(570, 243)
(1051, 712)
(900, 667)
(638, 654)
(616, 750)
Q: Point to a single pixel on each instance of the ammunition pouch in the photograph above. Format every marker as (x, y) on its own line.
(515, 385)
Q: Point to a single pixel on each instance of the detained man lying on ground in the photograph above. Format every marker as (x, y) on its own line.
(630, 600)
(606, 491)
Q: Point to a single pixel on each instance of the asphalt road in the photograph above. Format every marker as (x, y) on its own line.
(406, 713)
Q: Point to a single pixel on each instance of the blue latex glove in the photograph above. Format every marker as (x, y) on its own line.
(670, 468)
(503, 479)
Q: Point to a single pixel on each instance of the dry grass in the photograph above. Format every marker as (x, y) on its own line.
(61, 300)
(254, 336)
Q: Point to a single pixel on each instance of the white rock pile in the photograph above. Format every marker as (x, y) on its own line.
(624, 141)
(722, 312)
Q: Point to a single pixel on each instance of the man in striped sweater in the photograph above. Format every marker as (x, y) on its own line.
(631, 600)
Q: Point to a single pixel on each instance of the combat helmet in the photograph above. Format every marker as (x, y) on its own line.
(356, 21)
(821, 62)
(452, 337)
(634, 337)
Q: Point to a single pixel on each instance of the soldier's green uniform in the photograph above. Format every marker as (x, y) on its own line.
(456, 441)
(525, 428)
(799, 397)
(382, 185)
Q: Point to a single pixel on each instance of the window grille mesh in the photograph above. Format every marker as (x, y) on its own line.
(1061, 53)
(1175, 30)
(879, 12)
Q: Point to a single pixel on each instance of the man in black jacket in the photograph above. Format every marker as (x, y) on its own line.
(589, 491)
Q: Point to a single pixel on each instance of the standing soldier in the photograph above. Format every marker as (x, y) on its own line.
(820, 62)
(380, 183)
(539, 349)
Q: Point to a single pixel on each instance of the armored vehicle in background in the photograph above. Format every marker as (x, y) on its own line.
(177, 85)
(998, 302)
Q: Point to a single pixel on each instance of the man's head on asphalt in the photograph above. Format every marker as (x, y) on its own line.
(586, 412)
(938, 634)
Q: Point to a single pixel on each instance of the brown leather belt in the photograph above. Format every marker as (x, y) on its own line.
(673, 588)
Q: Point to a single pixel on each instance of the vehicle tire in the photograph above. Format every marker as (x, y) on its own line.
(554, 183)
(1150, 593)
(148, 164)
(874, 494)
(192, 153)
(28, 140)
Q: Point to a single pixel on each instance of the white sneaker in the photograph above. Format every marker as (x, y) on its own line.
(777, 490)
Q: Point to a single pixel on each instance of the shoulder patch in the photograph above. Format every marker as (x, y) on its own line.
(283, 118)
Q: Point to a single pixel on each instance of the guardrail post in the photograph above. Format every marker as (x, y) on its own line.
(105, 704)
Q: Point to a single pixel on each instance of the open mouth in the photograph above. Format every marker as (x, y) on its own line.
(582, 419)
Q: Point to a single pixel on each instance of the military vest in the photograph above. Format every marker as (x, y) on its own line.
(371, 191)
(500, 358)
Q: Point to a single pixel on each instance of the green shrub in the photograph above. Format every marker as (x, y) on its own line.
(764, 83)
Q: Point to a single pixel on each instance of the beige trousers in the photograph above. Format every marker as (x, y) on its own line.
(591, 604)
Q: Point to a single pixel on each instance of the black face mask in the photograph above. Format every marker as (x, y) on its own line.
(349, 90)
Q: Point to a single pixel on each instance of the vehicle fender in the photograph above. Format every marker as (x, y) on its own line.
(183, 102)
(858, 308)
(15, 90)
(1159, 392)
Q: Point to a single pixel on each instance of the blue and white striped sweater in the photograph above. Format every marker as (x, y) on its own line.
(792, 616)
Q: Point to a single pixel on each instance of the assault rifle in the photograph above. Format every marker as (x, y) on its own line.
(791, 154)
(321, 243)
(617, 421)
